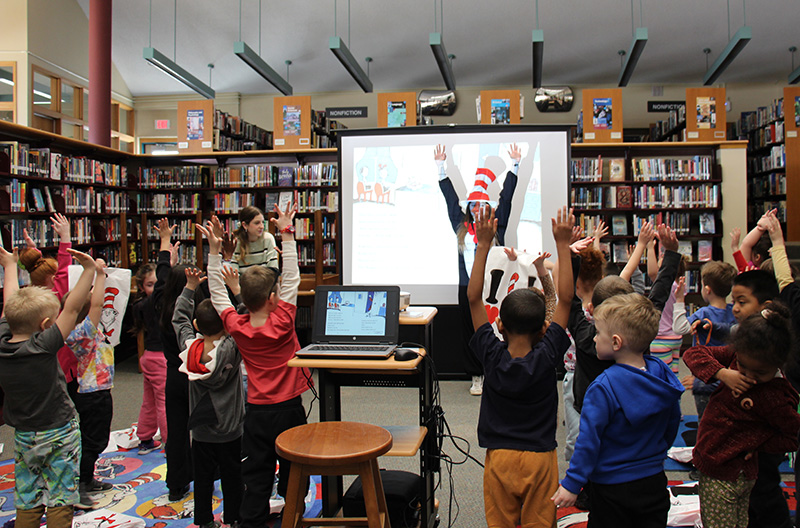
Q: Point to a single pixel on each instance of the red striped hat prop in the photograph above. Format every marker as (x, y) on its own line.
(484, 177)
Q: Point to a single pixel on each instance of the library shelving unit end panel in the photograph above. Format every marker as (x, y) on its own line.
(705, 114)
(196, 126)
(397, 109)
(292, 122)
(791, 99)
(500, 107)
(602, 115)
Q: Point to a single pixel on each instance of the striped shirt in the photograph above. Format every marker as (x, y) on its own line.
(261, 252)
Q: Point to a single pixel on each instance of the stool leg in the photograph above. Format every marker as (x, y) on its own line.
(295, 506)
(374, 498)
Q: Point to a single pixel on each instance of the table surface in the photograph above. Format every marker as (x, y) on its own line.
(389, 364)
(427, 314)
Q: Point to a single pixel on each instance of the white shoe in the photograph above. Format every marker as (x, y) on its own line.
(477, 386)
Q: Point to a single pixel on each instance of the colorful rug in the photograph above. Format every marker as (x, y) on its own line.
(687, 436)
(575, 518)
(140, 491)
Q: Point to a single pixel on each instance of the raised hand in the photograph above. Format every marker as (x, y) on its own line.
(61, 227)
(485, 225)
(228, 246)
(581, 244)
(231, 277)
(736, 236)
(29, 243)
(538, 263)
(563, 225)
(285, 218)
(174, 255)
(646, 233)
(667, 238)
(600, 231)
(8, 259)
(680, 291)
(83, 259)
(439, 154)
(515, 153)
(217, 225)
(164, 229)
(577, 233)
(214, 243)
(775, 231)
(511, 253)
(194, 277)
(100, 266)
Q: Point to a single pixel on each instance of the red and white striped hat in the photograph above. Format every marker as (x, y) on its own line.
(484, 177)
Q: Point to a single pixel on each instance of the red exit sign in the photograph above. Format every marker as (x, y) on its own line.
(162, 124)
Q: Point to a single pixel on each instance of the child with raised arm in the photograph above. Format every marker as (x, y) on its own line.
(755, 411)
(95, 377)
(46, 439)
(519, 407)
(629, 420)
(267, 341)
(216, 403)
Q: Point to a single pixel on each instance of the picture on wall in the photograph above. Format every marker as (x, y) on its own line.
(194, 124)
(396, 114)
(706, 112)
(291, 120)
(601, 113)
(501, 111)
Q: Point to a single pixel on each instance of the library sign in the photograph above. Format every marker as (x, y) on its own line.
(664, 106)
(346, 111)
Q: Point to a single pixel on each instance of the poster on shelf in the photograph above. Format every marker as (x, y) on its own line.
(194, 124)
(501, 111)
(291, 120)
(797, 112)
(706, 112)
(396, 114)
(601, 113)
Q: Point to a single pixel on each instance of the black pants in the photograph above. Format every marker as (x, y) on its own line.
(642, 503)
(262, 425)
(209, 458)
(471, 364)
(178, 450)
(95, 410)
(768, 508)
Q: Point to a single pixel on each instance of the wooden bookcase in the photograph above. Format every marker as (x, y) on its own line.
(791, 96)
(679, 184)
(43, 173)
(766, 161)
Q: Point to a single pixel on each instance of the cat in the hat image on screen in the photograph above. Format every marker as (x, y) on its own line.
(461, 214)
(108, 317)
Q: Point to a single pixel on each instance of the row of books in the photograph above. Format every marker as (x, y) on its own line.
(775, 159)
(768, 184)
(306, 228)
(223, 143)
(317, 174)
(661, 127)
(86, 200)
(618, 251)
(756, 210)
(595, 170)
(184, 229)
(43, 163)
(671, 196)
(192, 176)
(678, 169)
(233, 202)
(169, 203)
(762, 116)
(110, 254)
(589, 223)
(82, 231)
(679, 222)
(238, 128)
(306, 254)
(767, 135)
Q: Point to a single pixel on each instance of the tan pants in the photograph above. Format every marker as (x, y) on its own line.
(517, 486)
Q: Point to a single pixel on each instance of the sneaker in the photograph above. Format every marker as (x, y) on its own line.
(148, 446)
(96, 485)
(477, 386)
(86, 502)
(175, 496)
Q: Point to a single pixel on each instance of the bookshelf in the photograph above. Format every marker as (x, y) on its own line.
(766, 161)
(680, 184)
(43, 173)
(190, 188)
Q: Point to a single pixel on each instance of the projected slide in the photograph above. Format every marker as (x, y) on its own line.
(356, 314)
(396, 227)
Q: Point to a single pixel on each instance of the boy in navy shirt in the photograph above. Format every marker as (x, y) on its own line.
(519, 408)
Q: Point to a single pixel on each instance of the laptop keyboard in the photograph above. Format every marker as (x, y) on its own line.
(344, 348)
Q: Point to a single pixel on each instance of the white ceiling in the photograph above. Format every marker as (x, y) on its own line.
(491, 40)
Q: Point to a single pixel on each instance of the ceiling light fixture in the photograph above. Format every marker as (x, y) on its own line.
(794, 77)
(734, 47)
(443, 60)
(254, 60)
(342, 53)
(170, 67)
(635, 51)
(537, 47)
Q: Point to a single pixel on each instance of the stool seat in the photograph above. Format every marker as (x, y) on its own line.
(335, 448)
(333, 443)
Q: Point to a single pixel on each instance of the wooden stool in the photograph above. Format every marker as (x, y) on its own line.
(335, 448)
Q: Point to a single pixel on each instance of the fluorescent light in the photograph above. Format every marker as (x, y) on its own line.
(445, 66)
(160, 61)
(635, 51)
(253, 60)
(42, 94)
(737, 43)
(6, 77)
(164, 152)
(794, 76)
(537, 40)
(350, 64)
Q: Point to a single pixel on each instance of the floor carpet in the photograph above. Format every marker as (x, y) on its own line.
(140, 491)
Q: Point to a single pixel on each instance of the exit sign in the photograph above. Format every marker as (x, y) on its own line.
(162, 124)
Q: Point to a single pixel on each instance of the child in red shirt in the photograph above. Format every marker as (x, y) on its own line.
(267, 341)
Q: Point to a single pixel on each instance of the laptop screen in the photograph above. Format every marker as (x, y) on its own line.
(356, 314)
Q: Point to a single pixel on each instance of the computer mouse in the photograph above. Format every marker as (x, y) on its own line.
(405, 354)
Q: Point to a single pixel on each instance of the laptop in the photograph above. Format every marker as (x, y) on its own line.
(359, 322)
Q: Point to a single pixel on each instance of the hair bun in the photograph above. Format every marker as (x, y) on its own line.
(776, 315)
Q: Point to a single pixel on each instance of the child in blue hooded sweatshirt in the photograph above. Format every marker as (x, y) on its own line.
(629, 420)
